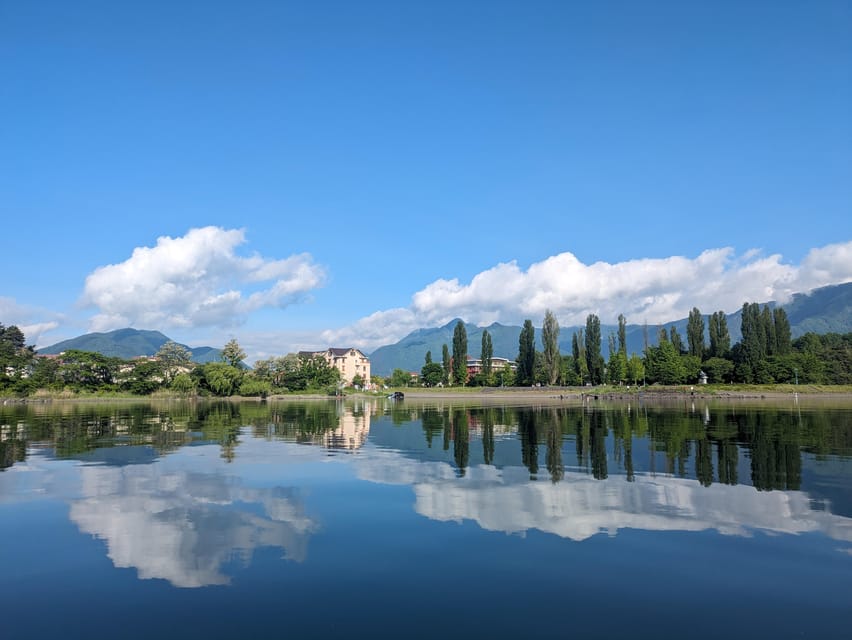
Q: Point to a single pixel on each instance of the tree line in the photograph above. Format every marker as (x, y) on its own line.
(766, 354)
(171, 369)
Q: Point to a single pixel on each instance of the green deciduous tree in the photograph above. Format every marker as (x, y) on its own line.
(676, 340)
(400, 378)
(594, 359)
(525, 375)
(445, 364)
(486, 353)
(550, 341)
(695, 333)
(431, 374)
(460, 354)
(174, 358)
(233, 354)
(720, 338)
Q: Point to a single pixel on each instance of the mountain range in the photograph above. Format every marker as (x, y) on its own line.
(127, 344)
(824, 310)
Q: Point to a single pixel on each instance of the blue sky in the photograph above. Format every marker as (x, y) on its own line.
(334, 173)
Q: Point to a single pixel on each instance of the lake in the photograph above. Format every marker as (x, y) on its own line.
(372, 518)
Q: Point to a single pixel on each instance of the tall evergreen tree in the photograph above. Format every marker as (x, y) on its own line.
(695, 333)
(783, 341)
(486, 353)
(768, 321)
(428, 357)
(526, 355)
(622, 334)
(720, 337)
(445, 364)
(753, 343)
(594, 359)
(460, 354)
(550, 340)
(578, 350)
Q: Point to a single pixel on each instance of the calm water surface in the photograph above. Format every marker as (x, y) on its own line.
(380, 519)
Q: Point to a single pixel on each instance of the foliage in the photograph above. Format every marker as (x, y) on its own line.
(525, 374)
(221, 378)
(252, 386)
(720, 338)
(182, 383)
(486, 354)
(460, 354)
(431, 374)
(550, 340)
(718, 370)
(594, 359)
(695, 333)
(233, 354)
(399, 378)
(173, 359)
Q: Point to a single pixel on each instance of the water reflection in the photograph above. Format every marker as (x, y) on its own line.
(183, 526)
(579, 507)
(569, 471)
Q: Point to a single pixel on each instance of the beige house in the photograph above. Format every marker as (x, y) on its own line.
(350, 362)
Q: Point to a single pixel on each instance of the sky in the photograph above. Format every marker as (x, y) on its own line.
(299, 175)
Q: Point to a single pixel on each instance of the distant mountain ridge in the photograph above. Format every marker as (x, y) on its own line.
(127, 344)
(824, 310)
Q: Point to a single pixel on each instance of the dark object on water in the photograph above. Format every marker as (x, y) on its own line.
(397, 395)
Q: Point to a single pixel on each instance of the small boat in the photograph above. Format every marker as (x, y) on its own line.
(396, 395)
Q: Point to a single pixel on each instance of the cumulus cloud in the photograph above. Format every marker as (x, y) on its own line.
(31, 320)
(196, 280)
(645, 290)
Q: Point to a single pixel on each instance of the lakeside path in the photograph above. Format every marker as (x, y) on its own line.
(653, 394)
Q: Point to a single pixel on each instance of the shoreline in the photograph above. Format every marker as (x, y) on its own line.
(525, 394)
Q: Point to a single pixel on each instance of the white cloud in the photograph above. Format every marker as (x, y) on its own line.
(645, 290)
(196, 280)
(32, 321)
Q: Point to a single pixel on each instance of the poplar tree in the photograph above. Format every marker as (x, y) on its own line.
(594, 359)
(578, 350)
(767, 319)
(622, 334)
(550, 340)
(783, 341)
(526, 354)
(460, 353)
(486, 354)
(695, 333)
(720, 338)
(676, 340)
(445, 363)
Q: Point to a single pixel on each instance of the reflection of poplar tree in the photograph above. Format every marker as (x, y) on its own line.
(597, 444)
(776, 461)
(488, 436)
(582, 441)
(554, 453)
(432, 422)
(529, 441)
(461, 442)
(726, 459)
(704, 462)
(628, 453)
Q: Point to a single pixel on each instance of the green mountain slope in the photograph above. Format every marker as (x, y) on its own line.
(127, 344)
